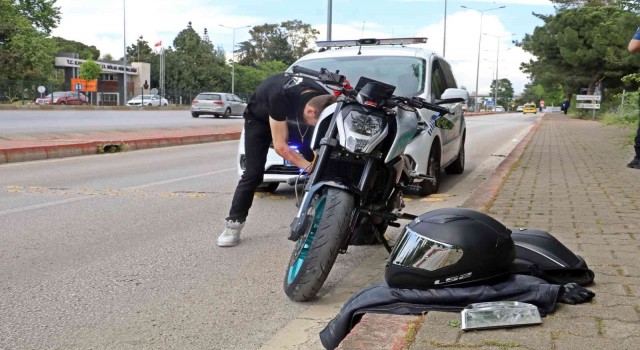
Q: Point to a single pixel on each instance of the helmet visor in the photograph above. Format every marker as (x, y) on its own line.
(416, 251)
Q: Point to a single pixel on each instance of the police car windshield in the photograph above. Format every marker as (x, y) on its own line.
(405, 73)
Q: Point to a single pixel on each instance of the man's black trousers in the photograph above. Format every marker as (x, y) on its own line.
(257, 138)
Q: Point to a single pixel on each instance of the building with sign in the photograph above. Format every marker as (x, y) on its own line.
(110, 86)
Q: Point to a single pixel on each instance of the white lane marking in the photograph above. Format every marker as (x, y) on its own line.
(75, 199)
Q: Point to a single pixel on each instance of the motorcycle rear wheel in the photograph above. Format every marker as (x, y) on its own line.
(317, 250)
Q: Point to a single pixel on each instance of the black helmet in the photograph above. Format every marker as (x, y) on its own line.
(450, 247)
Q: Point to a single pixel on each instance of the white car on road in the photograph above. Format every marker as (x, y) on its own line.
(148, 100)
(415, 71)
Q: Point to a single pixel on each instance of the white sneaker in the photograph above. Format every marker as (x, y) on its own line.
(230, 237)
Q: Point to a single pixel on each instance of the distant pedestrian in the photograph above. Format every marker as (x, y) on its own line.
(565, 105)
(634, 46)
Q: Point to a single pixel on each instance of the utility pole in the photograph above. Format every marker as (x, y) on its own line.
(233, 56)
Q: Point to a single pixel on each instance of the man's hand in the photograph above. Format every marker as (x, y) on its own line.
(280, 136)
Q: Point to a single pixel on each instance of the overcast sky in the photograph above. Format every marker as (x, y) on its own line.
(102, 22)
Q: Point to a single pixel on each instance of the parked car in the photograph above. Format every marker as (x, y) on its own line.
(498, 109)
(520, 108)
(63, 98)
(218, 104)
(415, 71)
(148, 100)
(529, 108)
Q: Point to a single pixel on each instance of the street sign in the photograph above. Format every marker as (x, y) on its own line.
(541, 103)
(154, 91)
(41, 89)
(588, 105)
(588, 97)
(78, 87)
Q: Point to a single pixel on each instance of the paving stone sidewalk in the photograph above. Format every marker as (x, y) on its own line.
(572, 181)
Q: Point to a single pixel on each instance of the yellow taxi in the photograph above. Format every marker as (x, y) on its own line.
(529, 108)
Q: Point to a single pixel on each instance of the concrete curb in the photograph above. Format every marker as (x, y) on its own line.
(365, 335)
(23, 154)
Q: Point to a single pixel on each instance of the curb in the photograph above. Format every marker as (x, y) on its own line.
(23, 154)
(365, 335)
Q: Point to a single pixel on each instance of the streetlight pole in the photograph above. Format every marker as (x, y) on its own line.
(479, 41)
(233, 56)
(495, 87)
(329, 12)
(444, 37)
(124, 42)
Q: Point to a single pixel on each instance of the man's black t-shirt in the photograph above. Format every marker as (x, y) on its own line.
(272, 99)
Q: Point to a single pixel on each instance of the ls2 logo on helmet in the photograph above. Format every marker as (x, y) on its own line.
(454, 278)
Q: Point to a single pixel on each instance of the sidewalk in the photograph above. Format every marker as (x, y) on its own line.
(568, 177)
(58, 145)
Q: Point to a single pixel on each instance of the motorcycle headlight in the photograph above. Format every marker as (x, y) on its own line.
(364, 124)
(362, 129)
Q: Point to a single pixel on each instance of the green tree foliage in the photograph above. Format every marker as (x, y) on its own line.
(42, 13)
(504, 92)
(90, 70)
(140, 51)
(248, 77)
(24, 51)
(633, 5)
(194, 64)
(272, 42)
(86, 52)
(582, 47)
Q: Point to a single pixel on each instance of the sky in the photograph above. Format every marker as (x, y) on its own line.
(102, 23)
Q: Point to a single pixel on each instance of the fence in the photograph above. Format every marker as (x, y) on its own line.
(12, 91)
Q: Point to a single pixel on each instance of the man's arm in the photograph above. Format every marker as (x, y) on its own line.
(280, 136)
(634, 44)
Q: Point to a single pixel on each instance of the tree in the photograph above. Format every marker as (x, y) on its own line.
(505, 91)
(194, 65)
(633, 5)
(140, 51)
(86, 52)
(272, 42)
(24, 52)
(582, 47)
(90, 70)
(42, 13)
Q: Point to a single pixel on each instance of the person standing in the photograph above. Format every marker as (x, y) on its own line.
(634, 46)
(565, 105)
(271, 108)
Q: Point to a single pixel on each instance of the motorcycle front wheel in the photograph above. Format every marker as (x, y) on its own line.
(317, 249)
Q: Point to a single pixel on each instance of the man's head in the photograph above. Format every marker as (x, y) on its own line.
(315, 104)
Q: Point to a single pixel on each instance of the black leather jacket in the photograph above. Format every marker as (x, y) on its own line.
(380, 298)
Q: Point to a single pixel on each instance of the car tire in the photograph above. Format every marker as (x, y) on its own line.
(195, 115)
(149, 105)
(268, 187)
(433, 168)
(63, 103)
(227, 113)
(457, 167)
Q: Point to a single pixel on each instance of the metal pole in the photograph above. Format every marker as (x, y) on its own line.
(124, 42)
(233, 62)
(444, 39)
(233, 55)
(495, 88)
(478, 64)
(479, 40)
(329, 22)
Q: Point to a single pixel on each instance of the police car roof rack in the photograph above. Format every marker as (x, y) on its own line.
(324, 45)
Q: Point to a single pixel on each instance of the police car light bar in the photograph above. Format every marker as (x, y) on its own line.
(371, 41)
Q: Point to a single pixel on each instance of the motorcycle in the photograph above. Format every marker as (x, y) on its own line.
(359, 173)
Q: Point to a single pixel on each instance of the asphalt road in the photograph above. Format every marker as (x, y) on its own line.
(118, 251)
(53, 121)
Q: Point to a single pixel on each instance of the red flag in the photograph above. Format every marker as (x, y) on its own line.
(159, 43)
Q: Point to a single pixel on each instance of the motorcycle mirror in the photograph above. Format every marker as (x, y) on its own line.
(444, 123)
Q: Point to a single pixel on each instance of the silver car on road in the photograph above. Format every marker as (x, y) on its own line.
(218, 104)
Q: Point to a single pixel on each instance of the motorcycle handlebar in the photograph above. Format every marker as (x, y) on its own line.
(324, 76)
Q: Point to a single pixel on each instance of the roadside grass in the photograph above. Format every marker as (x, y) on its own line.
(626, 119)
